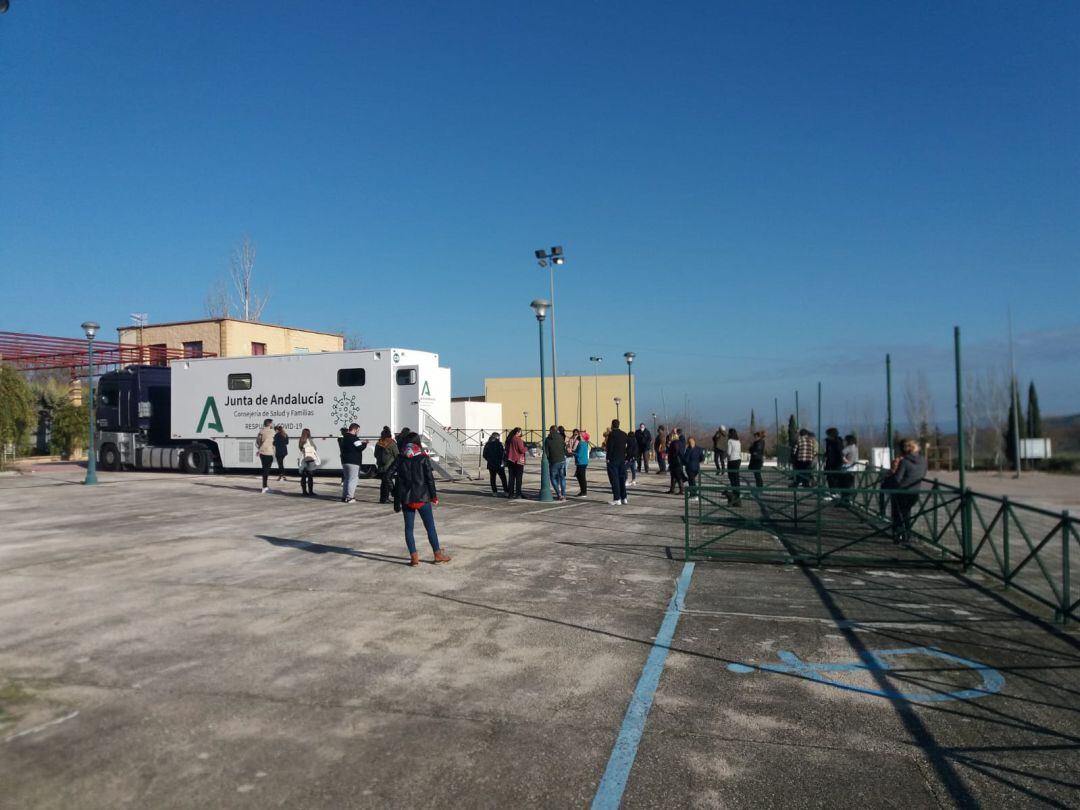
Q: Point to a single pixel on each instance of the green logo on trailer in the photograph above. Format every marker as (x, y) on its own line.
(425, 391)
(210, 408)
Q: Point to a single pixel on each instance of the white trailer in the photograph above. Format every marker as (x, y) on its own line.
(221, 402)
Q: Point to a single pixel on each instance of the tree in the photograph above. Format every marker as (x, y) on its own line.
(17, 413)
(241, 275)
(987, 406)
(1012, 438)
(792, 431)
(919, 406)
(1034, 418)
(70, 428)
(753, 423)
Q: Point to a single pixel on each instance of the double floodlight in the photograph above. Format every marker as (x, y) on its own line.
(555, 256)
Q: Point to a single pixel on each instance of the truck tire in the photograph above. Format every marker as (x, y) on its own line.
(109, 457)
(196, 459)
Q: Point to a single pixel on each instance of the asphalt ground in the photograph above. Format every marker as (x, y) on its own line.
(173, 641)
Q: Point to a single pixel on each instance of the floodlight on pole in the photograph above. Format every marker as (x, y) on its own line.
(90, 329)
(550, 260)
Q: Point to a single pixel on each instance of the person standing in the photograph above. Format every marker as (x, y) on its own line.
(719, 448)
(909, 475)
(644, 445)
(757, 456)
(803, 462)
(555, 447)
(264, 445)
(734, 461)
(352, 451)
(414, 493)
(515, 463)
(675, 463)
(692, 459)
(660, 448)
(631, 458)
(386, 453)
(308, 463)
(616, 463)
(834, 458)
(581, 464)
(850, 456)
(495, 456)
(281, 449)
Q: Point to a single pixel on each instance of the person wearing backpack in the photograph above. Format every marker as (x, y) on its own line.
(495, 456)
(386, 453)
(309, 462)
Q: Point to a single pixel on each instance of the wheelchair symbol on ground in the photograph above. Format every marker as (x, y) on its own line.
(883, 661)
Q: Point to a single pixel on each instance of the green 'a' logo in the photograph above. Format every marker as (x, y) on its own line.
(425, 391)
(210, 408)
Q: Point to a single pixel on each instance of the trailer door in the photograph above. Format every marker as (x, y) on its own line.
(407, 396)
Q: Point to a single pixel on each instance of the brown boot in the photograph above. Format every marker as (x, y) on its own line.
(414, 559)
(441, 557)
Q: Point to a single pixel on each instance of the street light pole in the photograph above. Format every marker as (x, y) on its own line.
(90, 329)
(540, 307)
(596, 390)
(618, 402)
(629, 389)
(526, 415)
(653, 423)
(549, 260)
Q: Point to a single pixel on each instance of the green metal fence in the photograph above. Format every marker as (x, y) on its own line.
(811, 516)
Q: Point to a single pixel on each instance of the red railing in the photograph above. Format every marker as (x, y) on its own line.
(37, 352)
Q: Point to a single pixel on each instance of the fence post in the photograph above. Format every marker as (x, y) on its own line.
(1066, 580)
(686, 522)
(965, 526)
(1007, 510)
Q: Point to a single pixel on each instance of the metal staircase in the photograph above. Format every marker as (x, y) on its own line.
(446, 450)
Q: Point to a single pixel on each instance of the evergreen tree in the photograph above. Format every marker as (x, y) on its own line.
(17, 414)
(753, 424)
(1034, 418)
(792, 431)
(1016, 420)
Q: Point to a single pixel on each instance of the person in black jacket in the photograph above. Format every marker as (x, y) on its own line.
(414, 492)
(352, 451)
(616, 463)
(692, 458)
(631, 458)
(675, 463)
(834, 458)
(757, 456)
(644, 444)
(495, 456)
(281, 449)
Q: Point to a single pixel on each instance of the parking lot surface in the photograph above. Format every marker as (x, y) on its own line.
(175, 641)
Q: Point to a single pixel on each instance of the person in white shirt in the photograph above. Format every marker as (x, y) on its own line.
(734, 459)
(851, 463)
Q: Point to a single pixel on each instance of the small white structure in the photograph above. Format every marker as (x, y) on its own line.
(473, 421)
(1035, 448)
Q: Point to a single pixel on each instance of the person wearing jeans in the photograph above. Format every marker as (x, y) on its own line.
(264, 443)
(414, 492)
(555, 448)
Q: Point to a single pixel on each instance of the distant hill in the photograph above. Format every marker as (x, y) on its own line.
(1063, 432)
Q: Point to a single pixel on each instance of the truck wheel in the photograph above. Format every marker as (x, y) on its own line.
(109, 457)
(196, 459)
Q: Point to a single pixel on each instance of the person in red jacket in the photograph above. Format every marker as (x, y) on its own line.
(515, 462)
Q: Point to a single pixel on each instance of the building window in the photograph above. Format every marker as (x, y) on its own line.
(159, 354)
(193, 348)
(347, 377)
(300, 350)
(239, 382)
(258, 349)
(406, 376)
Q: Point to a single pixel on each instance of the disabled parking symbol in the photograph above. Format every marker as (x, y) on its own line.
(883, 661)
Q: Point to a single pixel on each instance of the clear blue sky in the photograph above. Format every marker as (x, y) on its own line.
(752, 196)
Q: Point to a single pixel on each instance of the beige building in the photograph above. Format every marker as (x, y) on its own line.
(227, 337)
(580, 398)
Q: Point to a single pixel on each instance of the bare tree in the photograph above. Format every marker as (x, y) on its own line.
(241, 271)
(919, 405)
(218, 304)
(988, 405)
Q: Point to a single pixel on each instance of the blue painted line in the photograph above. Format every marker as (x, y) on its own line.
(610, 792)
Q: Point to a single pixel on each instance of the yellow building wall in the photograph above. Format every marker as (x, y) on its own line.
(233, 338)
(578, 401)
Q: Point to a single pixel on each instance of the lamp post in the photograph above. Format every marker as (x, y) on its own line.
(550, 260)
(653, 415)
(596, 390)
(90, 329)
(629, 389)
(618, 402)
(540, 307)
(526, 415)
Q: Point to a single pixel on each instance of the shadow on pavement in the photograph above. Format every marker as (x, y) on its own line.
(319, 548)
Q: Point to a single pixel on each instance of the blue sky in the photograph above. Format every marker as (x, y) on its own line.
(753, 197)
